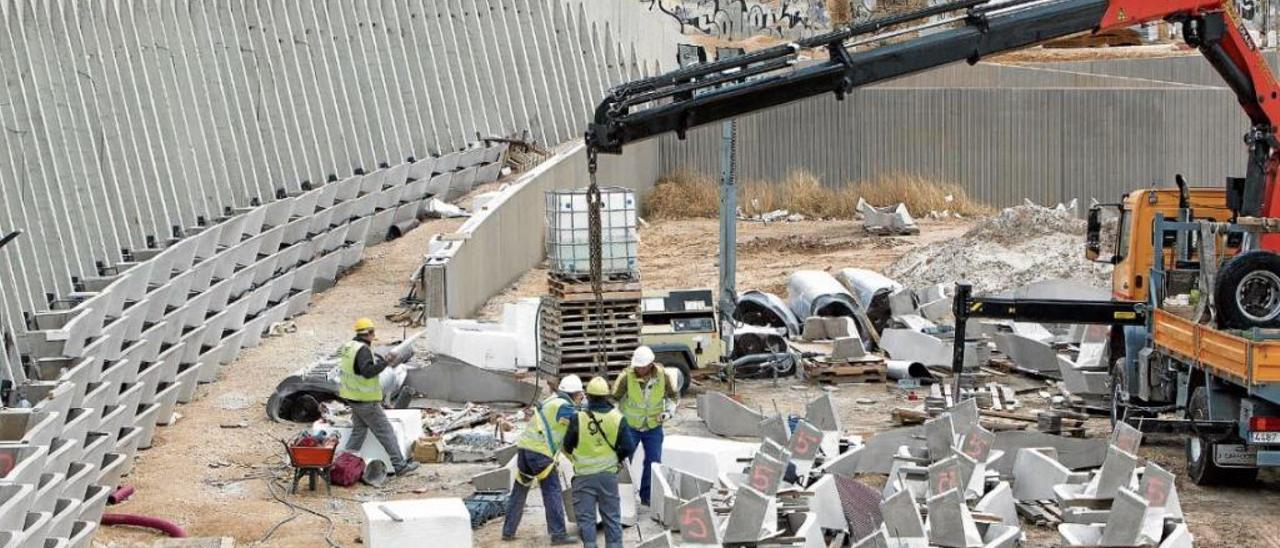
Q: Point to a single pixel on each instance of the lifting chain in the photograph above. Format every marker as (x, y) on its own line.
(597, 275)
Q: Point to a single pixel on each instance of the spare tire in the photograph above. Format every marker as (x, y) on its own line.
(1247, 293)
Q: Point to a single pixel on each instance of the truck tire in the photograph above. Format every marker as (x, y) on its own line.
(1247, 292)
(1200, 466)
(679, 362)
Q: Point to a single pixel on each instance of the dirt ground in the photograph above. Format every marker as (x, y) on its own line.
(224, 481)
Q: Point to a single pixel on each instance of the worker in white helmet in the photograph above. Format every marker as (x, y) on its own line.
(648, 399)
(542, 439)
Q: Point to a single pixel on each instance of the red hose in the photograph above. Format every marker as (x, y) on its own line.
(160, 524)
(121, 494)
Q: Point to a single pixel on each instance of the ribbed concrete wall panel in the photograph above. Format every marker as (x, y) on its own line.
(1001, 145)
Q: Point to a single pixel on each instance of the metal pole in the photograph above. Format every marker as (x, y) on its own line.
(728, 232)
(959, 309)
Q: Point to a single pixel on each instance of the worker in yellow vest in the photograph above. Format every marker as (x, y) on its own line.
(598, 441)
(648, 399)
(536, 460)
(362, 390)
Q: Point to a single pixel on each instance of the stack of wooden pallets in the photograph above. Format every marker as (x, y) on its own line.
(577, 339)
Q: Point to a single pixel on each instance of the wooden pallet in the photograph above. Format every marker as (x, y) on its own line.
(846, 374)
(1044, 513)
(579, 291)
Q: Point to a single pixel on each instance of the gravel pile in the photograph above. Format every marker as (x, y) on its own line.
(1021, 245)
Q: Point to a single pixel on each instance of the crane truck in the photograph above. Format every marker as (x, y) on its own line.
(1196, 285)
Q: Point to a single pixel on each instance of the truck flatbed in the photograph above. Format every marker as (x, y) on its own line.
(1236, 359)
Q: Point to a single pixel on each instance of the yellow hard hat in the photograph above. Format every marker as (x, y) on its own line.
(598, 387)
(364, 324)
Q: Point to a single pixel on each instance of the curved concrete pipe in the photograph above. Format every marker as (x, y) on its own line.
(902, 369)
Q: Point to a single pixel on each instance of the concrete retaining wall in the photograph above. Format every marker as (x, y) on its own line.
(498, 244)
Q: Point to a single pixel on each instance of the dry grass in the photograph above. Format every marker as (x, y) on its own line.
(684, 195)
(840, 11)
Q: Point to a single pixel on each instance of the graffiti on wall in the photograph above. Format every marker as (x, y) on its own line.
(789, 19)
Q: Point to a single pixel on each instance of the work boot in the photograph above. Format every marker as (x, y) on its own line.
(563, 541)
(407, 469)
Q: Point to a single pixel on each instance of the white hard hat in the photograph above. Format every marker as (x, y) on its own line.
(570, 384)
(642, 357)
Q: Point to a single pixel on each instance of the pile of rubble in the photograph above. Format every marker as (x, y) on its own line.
(1021, 245)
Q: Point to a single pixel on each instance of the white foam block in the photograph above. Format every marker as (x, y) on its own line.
(406, 423)
(439, 523)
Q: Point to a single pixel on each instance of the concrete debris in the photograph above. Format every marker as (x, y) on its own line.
(902, 517)
(1029, 355)
(698, 523)
(1021, 245)
(1124, 527)
(404, 523)
(724, 416)
(749, 519)
(950, 522)
(939, 436)
(450, 379)
(775, 429)
(999, 502)
(508, 345)
(888, 220)
(440, 210)
(914, 346)
(822, 328)
(662, 540)
(822, 413)
(405, 423)
(1037, 471)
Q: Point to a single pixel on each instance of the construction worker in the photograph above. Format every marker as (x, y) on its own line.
(597, 442)
(536, 460)
(648, 399)
(362, 390)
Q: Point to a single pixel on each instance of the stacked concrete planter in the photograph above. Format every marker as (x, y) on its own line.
(132, 344)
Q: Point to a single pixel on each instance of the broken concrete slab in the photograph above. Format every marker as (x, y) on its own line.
(1029, 355)
(822, 413)
(765, 474)
(938, 311)
(977, 444)
(405, 523)
(944, 476)
(1037, 471)
(749, 518)
(1160, 490)
(845, 464)
(826, 503)
(901, 517)
(964, 416)
(950, 523)
(1074, 453)
(450, 379)
(885, 220)
(775, 428)
(847, 348)
(914, 346)
(939, 436)
(804, 445)
(701, 456)
(725, 416)
(1125, 437)
(1123, 528)
(663, 500)
(999, 502)
(698, 523)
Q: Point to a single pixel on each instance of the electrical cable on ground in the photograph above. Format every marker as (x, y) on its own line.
(328, 534)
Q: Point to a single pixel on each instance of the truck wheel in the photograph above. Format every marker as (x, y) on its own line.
(678, 362)
(1200, 465)
(1248, 291)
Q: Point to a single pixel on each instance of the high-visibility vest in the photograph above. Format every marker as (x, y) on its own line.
(644, 413)
(536, 437)
(594, 453)
(354, 386)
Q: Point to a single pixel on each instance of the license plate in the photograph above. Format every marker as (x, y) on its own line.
(1235, 455)
(1264, 437)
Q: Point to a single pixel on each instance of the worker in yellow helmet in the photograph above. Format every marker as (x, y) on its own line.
(536, 460)
(361, 389)
(648, 399)
(598, 441)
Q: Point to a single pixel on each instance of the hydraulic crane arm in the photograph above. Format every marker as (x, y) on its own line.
(966, 30)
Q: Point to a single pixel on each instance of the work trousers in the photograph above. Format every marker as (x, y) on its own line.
(598, 491)
(530, 464)
(651, 440)
(366, 416)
